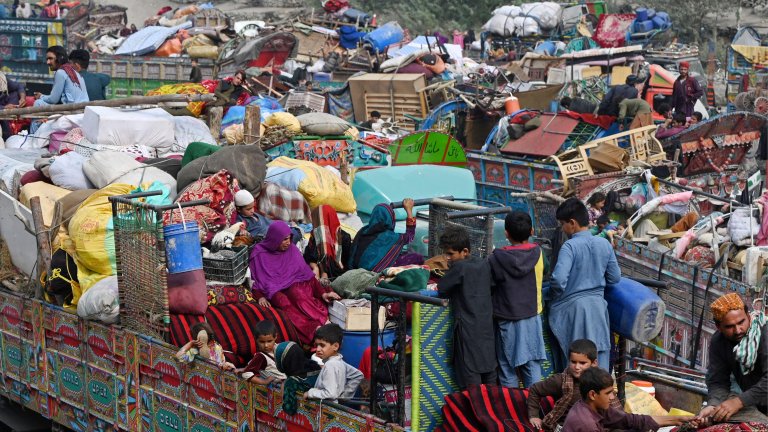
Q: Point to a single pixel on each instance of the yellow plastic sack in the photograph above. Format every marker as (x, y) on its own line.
(196, 108)
(320, 186)
(92, 236)
(640, 402)
(48, 194)
(284, 119)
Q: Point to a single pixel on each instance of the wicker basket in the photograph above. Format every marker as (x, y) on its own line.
(227, 270)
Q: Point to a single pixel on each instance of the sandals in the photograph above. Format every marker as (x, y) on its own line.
(205, 351)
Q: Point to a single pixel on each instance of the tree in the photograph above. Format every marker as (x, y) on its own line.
(692, 20)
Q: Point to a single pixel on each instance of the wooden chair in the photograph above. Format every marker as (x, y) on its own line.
(574, 163)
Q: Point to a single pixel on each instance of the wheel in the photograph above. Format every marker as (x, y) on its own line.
(761, 105)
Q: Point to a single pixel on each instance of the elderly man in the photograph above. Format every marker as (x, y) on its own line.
(739, 348)
(68, 85)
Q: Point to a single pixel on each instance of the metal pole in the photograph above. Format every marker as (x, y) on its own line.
(401, 324)
(374, 352)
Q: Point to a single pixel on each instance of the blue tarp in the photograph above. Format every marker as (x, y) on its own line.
(148, 39)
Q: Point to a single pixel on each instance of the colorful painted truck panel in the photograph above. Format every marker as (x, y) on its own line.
(327, 151)
(93, 377)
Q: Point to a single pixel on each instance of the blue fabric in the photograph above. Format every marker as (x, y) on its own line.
(349, 36)
(96, 85)
(585, 265)
(289, 178)
(376, 239)
(64, 91)
(148, 39)
(255, 225)
(520, 343)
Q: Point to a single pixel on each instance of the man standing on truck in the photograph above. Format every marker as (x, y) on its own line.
(686, 91)
(95, 83)
(68, 85)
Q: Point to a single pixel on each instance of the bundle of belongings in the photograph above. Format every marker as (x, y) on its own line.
(527, 19)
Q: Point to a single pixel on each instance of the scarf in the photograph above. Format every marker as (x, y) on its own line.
(570, 396)
(326, 233)
(273, 270)
(71, 73)
(746, 350)
(377, 245)
(3, 83)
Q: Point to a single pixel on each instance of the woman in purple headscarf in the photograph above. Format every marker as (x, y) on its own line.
(286, 282)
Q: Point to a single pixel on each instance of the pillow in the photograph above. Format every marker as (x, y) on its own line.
(227, 294)
(187, 293)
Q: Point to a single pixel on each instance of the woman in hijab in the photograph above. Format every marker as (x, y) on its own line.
(377, 245)
(286, 282)
(329, 246)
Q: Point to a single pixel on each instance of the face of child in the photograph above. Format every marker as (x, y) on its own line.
(600, 204)
(325, 349)
(248, 210)
(452, 255)
(603, 399)
(285, 244)
(266, 343)
(578, 363)
(693, 121)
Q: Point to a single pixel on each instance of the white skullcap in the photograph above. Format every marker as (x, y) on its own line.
(243, 198)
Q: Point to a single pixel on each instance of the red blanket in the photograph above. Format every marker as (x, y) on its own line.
(489, 408)
(604, 121)
(233, 326)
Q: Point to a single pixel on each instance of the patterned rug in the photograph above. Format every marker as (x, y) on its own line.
(432, 373)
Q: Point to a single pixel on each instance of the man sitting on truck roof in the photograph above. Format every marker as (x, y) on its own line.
(68, 85)
(95, 83)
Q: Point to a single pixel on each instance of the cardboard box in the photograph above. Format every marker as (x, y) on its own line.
(353, 318)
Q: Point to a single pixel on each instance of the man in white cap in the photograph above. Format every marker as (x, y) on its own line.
(255, 223)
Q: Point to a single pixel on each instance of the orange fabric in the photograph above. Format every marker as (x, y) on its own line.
(686, 223)
(725, 304)
(171, 46)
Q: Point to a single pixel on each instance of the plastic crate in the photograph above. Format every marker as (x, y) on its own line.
(313, 101)
(227, 270)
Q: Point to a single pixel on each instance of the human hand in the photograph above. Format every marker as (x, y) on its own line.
(198, 344)
(305, 395)
(263, 302)
(536, 422)
(725, 410)
(408, 206)
(11, 106)
(227, 366)
(705, 415)
(22, 102)
(329, 296)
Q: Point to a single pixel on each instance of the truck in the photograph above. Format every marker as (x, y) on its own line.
(23, 43)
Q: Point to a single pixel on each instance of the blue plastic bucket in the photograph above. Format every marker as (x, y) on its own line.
(182, 247)
(651, 13)
(356, 342)
(642, 14)
(635, 311)
(546, 47)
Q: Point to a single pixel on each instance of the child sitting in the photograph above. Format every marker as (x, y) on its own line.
(563, 387)
(337, 379)
(262, 369)
(203, 345)
(518, 271)
(595, 205)
(468, 284)
(595, 413)
(255, 224)
(604, 228)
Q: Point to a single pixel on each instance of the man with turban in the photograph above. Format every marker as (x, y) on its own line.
(686, 91)
(739, 348)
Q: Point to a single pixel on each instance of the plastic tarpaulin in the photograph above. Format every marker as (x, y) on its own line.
(148, 39)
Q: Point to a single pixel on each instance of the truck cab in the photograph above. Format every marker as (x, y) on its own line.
(393, 184)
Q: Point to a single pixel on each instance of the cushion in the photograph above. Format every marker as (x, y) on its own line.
(187, 293)
(228, 294)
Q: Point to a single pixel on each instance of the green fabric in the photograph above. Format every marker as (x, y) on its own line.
(352, 284)
(196, 150)
(293, 386)
(408, 281)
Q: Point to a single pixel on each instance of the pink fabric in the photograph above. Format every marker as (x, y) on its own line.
(676, 197)
(682, 244)
(274, 270)
(762, 235)
(302, 304)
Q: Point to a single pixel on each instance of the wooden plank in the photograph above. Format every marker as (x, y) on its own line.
(43, 244)
(252, 125)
